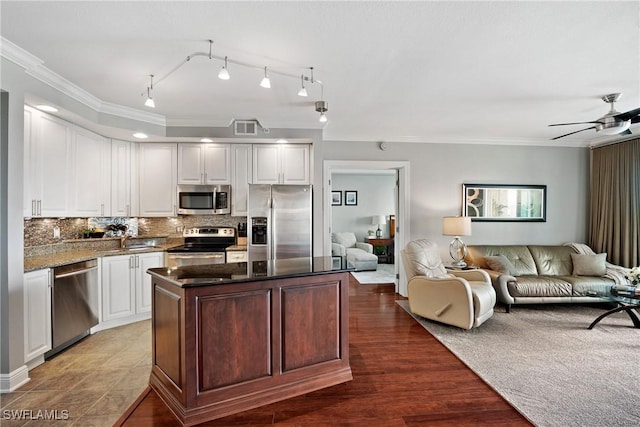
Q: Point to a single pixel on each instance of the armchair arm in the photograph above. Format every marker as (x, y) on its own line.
(338, 250)
(367, 247)
(447, 300)
(472, 275)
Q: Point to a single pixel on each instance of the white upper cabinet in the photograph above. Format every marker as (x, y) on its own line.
(281, 164)
(241, 177)
(91, 181)
(157, 164)
(121, 166)
(204, 164)
(48, 161)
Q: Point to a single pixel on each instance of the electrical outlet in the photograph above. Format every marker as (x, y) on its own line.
(56, 232)
(179, 229)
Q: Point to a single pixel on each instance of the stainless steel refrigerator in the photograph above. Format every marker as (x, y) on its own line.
(279, 222)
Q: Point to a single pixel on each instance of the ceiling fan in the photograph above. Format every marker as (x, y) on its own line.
(611, 123)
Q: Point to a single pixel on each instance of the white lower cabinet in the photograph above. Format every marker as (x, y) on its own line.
(37, 313)
(126, 286)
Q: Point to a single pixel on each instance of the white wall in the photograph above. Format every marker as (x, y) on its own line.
(375, 197)
(439, 170)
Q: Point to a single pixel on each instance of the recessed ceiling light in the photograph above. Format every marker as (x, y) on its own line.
(140, 135)
(47, 108)
(206, 140)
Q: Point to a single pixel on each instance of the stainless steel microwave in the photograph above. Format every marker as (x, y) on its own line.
(204, 199)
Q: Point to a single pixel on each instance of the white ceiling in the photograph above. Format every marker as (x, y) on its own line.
(452, 71)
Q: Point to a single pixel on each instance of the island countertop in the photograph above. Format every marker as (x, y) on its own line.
(218, 274)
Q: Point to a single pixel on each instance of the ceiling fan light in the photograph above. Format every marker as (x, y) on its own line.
(613, 129)
(323, 118)
(303, 91)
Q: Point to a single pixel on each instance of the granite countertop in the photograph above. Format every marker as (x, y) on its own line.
(57, 259)
(237, 272)
(237, 248)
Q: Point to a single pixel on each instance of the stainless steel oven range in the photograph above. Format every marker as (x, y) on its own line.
(202, 245)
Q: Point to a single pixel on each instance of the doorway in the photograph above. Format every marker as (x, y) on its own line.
(401, 170)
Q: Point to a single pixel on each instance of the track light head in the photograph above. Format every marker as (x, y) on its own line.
(224, 73)
(150, 103)
(265, 83)
(303, 90)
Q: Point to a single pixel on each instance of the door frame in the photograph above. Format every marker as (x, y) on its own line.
(402, 214)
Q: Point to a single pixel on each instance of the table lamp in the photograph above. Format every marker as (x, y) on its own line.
(457, 226)
(378, 219)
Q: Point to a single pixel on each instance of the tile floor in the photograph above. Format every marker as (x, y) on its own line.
(95, 381)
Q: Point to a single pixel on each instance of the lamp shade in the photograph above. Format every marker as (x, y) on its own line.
(456, 226)
(378, 219)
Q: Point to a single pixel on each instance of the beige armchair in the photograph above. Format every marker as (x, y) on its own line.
(463, 298)
(354, 254)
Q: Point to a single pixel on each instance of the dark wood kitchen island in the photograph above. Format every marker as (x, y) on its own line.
(231, 337)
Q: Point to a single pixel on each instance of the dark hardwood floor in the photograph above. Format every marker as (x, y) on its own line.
(402, 376)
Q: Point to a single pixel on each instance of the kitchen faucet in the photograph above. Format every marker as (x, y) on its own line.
(123, 239)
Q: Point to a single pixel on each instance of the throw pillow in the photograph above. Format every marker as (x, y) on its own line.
(500, 263)
(589, 265)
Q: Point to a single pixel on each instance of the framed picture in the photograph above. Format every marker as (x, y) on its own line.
(350, 198)
(498, 202)
(336, 198)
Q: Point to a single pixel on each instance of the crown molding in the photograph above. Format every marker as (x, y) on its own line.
(35, 67)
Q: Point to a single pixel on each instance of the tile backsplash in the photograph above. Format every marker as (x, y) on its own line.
(40, 231)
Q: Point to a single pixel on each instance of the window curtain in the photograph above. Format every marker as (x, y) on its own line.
(614, 220)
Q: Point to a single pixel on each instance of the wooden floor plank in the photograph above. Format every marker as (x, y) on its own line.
(402, 376)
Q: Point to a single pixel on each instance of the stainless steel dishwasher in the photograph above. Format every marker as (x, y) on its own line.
(74, 305)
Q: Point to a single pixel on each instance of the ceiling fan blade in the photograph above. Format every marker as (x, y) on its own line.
(636, 119)
(628, 115)
(567, 134)
(626, 132)
(576, 123)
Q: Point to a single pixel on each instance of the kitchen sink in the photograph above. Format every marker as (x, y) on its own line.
(132, 248)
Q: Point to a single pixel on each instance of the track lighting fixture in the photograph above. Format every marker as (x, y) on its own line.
(265, 83)
(224, 73)
(149, 102)
(303, 90)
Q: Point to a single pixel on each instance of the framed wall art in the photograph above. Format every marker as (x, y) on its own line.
(350, 198)
(505, 202)
(336, 198)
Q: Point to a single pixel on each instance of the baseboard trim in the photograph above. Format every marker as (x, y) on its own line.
(12, 381)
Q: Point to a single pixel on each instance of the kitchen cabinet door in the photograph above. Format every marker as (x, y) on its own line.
(91, 181)
(118, 287)
(204, 164)
(241, 177)
(281, 164)
(48, 160)
(121, 165)
(37, 313)
(157, 179)
(143, 262)
(295, 164)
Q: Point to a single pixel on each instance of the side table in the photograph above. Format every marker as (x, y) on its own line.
(383, 248)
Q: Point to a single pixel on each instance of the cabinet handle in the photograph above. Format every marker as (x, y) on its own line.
(137, 261)
(33, 207)
(39, 211)
(130, 262)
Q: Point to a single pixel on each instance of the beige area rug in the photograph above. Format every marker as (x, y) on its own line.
(384, 274)
(548, 365)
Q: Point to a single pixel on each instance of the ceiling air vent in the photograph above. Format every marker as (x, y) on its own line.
(245, 127)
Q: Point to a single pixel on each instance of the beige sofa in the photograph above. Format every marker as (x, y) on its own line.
(529, 274)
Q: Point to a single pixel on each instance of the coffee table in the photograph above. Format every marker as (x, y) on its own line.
(626, 300)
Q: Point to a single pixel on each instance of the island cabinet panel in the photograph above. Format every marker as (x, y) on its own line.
(310, 325)
(224, 348)
(168, 345)
(234, 338)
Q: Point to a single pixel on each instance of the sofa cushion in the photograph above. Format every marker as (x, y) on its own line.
(346, 239)
(589, 265)
(552, 260)
(518, 255)
(540, 286)
(585, 286)
(425, 258)
(499, 263)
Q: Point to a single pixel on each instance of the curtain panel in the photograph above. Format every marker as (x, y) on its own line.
(614, 220)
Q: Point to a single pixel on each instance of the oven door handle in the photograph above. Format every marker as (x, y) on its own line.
(177, 256)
